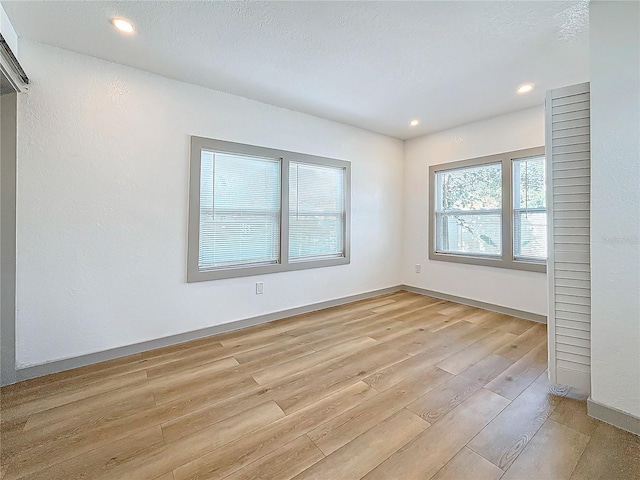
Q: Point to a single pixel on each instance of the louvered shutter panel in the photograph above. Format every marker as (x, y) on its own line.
(568, 266)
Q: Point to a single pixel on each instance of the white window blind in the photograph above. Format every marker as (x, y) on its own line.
(468, 212)
(529, 209)
(316, 211)
(239, 210)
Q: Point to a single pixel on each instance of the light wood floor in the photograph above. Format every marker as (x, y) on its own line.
(401, 386)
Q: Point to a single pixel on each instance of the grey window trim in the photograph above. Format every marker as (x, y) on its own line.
(506, 260)
(194, 274)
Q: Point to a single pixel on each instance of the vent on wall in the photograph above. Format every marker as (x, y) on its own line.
(569, 266)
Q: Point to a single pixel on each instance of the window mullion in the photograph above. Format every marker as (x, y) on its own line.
(507, 211)
(347, 214)
(516, 228)
(284, 212)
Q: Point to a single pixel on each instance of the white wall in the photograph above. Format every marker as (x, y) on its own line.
(103, 161)
(525, 291)
(615, 210)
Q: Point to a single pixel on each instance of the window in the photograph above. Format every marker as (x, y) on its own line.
(255, 210)
(529, 209)
(239, 211)
(316, 211)
(490, 211)
(469, 210)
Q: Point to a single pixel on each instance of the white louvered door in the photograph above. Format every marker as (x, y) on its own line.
(569, 267)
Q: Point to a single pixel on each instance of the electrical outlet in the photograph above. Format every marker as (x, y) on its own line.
(259, 288)
(418, 268)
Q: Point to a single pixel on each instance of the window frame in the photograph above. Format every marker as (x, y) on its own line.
(507, 259)
(198, 144)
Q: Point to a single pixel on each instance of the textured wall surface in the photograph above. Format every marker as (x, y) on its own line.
(615, 205)
(102, 206)
(510, 288)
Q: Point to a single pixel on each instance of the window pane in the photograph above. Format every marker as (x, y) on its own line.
(316, 211)
(469, 210)
(529, 209)
(239, 210)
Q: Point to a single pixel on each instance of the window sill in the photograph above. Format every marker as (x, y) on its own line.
(205, 275)
(489, 262)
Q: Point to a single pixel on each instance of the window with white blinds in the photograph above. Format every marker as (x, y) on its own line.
(469, 210)
(255, 210)
(529, 209)
(316, 211)
(239, 211)
(490, 211)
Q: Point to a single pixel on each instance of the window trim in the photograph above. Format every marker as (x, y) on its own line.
(506, 260)
(194, 274)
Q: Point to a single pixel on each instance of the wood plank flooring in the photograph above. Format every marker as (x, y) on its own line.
(399, 386)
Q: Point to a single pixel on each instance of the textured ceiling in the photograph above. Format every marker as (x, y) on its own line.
(375, 65)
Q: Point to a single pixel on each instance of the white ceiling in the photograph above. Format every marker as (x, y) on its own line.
(375, 65)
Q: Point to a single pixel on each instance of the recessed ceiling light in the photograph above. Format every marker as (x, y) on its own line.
(413, 123)
(526, 88)
(122, 25)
